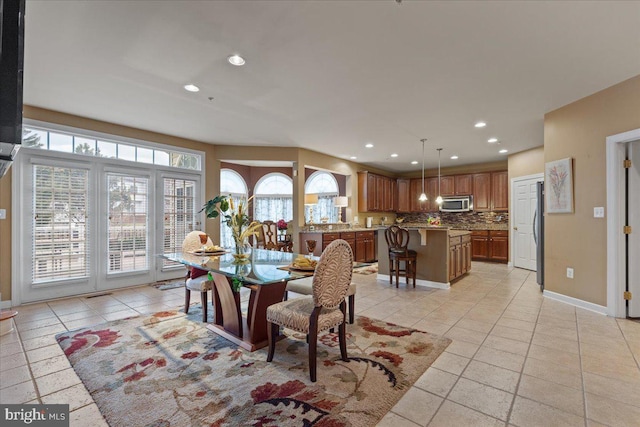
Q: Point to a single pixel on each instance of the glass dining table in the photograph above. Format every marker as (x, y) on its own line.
(265, 273)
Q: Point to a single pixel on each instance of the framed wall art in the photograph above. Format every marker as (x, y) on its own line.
(558, 178)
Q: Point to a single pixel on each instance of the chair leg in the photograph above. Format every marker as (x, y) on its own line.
(414, 263)
(286, 296)
(390, 271)
(187, 300)
(272, 332)
(342, 335)
(397, 273)
(203, 299)
(352, 307)
(313, 343)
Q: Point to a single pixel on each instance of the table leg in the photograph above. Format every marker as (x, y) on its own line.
(261, 298)
(227, 305)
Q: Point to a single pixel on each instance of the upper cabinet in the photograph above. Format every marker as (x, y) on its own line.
(482, 191)
(491, 191)
(376, 193)
(382, 194)
(464, 184)
(403, 194)
(500, 191)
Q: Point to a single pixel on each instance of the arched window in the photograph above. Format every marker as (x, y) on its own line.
(273, 198)
(325, 186)
(232, 184)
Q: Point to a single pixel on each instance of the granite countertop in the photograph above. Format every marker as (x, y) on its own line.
(456, 233)
(415, 225)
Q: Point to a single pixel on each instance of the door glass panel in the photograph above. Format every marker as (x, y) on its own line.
(127, 226)
(179, 213)
(60, 224)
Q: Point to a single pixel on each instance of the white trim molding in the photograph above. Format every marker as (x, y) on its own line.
(539, 177)
(615, 149)
(600, 309)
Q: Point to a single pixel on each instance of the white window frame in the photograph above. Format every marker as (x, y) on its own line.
(21, 235)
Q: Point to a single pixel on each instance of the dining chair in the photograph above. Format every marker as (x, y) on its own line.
(398, 241)
(196, 279)
(323, 310)
(304, 286)
(270, 232)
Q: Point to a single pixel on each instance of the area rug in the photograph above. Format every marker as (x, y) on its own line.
(166, 370)
(168, 284)
(367, 269)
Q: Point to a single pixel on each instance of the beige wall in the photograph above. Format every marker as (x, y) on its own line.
(578, 240)
(526, 163)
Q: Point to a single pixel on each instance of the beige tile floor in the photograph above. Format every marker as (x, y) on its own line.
(516, 358)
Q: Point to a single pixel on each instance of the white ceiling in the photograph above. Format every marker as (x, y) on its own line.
(331, 76)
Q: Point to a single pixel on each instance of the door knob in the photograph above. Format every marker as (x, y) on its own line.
(515, 228)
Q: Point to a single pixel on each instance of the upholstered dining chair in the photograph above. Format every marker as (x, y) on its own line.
(323, 310)
(398, 241)
(305, 287)
(270, 232)
(196, 279)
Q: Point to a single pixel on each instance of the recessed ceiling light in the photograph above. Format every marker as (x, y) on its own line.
(492, 140)
(353, 157)
(394, 155)
(480, 124)
(236, 60)
(191, 88)
(503, 151)
(369, 145)
(415, 162)
(454, 157)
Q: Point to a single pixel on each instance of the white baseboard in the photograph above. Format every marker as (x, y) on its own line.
(576, 302)
(5, 304)
(420, 282)
(510, 264)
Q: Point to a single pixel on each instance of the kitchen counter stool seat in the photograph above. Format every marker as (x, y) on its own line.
(398, 241)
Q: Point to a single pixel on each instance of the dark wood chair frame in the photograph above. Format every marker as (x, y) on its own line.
(398, 241)
(312, 339)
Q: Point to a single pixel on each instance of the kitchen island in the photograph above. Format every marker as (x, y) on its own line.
(443, 254)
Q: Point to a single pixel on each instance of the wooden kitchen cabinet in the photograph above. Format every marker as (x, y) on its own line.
(480, 245)
(328, 238)
(463, 185)
(365, 246)
(499, 191)
(403, 193)
(481, 191)
(447, 186)
(459, 256)
(490, 245)
(499, 246)
(376, 193)
(350, 238)
(416, 190)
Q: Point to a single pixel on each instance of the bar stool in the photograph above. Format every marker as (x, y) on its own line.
(398, 241)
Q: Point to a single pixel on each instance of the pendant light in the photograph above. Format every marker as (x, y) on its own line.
(439, 198)
(423, 196)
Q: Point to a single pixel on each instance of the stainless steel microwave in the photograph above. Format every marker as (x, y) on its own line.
(457, 204)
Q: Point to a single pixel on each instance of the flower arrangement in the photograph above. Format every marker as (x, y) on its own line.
(282, 225)
(236, 218)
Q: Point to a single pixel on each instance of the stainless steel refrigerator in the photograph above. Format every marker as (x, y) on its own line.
(538, 235)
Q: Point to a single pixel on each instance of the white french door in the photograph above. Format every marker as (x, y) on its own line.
(89, 226)
(633, 219)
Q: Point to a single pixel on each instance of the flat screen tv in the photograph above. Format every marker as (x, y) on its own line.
(11, 67)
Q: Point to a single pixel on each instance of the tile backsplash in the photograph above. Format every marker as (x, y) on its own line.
(460, 218)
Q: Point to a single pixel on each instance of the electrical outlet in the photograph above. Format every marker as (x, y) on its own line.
(569, 272)
(598, 212)
(3, 214)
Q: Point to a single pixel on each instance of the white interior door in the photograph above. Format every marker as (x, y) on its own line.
(633, 197)
(525, 199)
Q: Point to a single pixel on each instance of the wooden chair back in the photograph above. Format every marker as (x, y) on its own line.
(397, 239)
(270, 232)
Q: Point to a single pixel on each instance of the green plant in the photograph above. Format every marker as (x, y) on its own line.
(237, 219)
(236, 282)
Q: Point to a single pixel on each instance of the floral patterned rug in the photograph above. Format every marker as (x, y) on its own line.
(166, 370)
